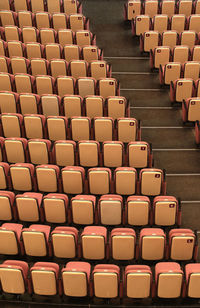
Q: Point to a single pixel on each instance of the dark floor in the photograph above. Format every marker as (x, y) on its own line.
(174, 146)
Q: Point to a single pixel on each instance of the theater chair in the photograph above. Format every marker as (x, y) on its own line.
(55, 208)
(28, 207)
(192, 273)
(181, 89)
(166, 211)
(123, 244)
(190, 109)
(10, 239)
(152, 182)
(7, 209)
(110, 210)
(83, 210)
(137, 210)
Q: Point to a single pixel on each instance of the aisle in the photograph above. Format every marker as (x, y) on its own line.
(173, 145)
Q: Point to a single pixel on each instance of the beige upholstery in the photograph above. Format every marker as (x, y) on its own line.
(21, 178)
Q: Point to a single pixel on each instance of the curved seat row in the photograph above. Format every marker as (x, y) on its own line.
(94, 243)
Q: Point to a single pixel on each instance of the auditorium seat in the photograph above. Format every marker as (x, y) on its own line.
(89, 153)
(160, 23)
(34, 126)
(30, 34)
(166, 211)
(42, 20)
(170, 38)
(22, 176)
(168, 7)
(29, 103)
(76, 274)
(78, 22)
(139, 154)
(8, 18)
(141, 24)
(15, 150)
(33, 50)
(189, 38)
(160, 56)
(94, 242)
(29, 207)
(65, 242)
(170, 72)
(44, 278)
(36, 240)
(152, 244)
(94, 106)
(59, 21)
(65, 37)
(7, 209)
(151, 7)
(78, 68)
(103, 129)
(5, 5)
(128, 129)
(192, 280)
(73, 180)
(110, 209)
(123, 243)
(178, 23)
(191, 69)
(10, 237)
(84, 38)
(181, 54)
(190, 109)
(106, 280)
(39, 151)
(55, 208)
(37, 6)
(25, 19)
(8, 102)
(19, 65)
(83, 209)
(113, 154)
(168, 279)
(58, 67)
(137, 210)
(12, 125)
(181, 89)
(185, 7)
(149, 40)
(132, 9)
(125, 180)
(47, 36)
(138, 280)
(152, 182)
(72, 7)
(195, 53)
(14, 276)
(64, 153)
(21, 5)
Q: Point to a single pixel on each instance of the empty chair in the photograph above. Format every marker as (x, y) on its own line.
(89, 153)
(73, 180)
(29, 207)
(50, 105)
(123, 242)
(80, 128)
(197, 7)
(83, 209)
(3, 47)
(94, 106)
(5, 5)
(106, 280)
(71, 7)
(117, 107)
(71, 52)
(8, 102)
(110, 210)
(11, 125)
(195, 53)
(193, 23)
(39, 67)
(169, 72)
(94, 240)
(91, 53)
(190, 109)
(152, 244)
(34, 126)
(77, 22)
(181, 89)
(99, 69)
(47, 36)
(15, 48)
(65, 37)
(138, 280)
(166, 211)
(99, 181)
(24, 83)
(141, 24)
(76, 273)
(160, 23)
(19, 65)
(149, 40)
(14, 276)
(22, 176)
(152, 182)
(53, 51)
(5, 182)
(57, 128)
(103, 129)
(84, 38)
(21, 5)
(10, 235)
(7, 199)
(168, 7)
(108, 87)
(53, 6)
(6, 82)
(169, 279)
(192, 280)
(181, 54)
(44, 84)
(58, 67)
(151, 8)
(182, 244)
(188, 38)
(169, 38)
(15, 150)
(39, 151)
(73, 105)
(139, 154)
(191, 69)
(37, 6)
(64, 242)
(29, 103)
(125, 180)
(137, 210)
(34, 50)
(132, 9)
(185, 7)
(55, 208)
(113, 154)
(86, 86)
(42, 20)
(127, 129)
(35, 240)
(59, 21)
(78, 68)
(178, 22)
(4, 64)
(44, 271)
(25, 19)
(65, 85)
(160, 56)
(47, 178)
(12, 33)
(8, 18)
(30, 34)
